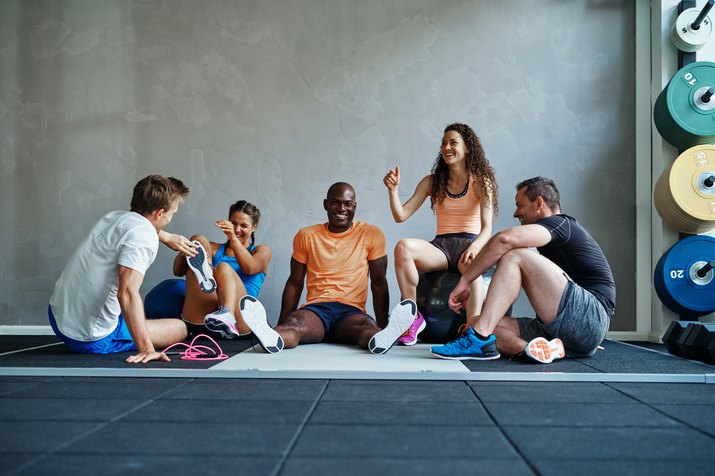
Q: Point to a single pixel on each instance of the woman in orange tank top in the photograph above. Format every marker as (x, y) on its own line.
(463, 195)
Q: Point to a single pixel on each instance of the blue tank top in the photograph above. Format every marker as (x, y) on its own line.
(252, 282)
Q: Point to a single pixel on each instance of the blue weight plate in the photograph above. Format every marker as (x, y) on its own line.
(672, 279)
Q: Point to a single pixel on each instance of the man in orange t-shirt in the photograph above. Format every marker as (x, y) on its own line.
(335, 260)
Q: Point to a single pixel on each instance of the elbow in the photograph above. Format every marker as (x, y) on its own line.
(127, 297)
(504, 241)
(124, 297)
(254, 268)
(249, 270)
(294, 286)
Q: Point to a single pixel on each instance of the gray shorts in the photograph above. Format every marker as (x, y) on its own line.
(582, 322)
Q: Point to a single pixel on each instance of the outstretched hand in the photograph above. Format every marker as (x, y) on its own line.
(144, 357)
(180, 243)
(392, 179)
(459, 296)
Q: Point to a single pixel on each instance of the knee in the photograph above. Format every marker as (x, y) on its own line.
(403, 251)
(513, 256)
(183, 331)
(223, 269)
(203, 240)
(506, 328)
(365, 332)
(180, 329)
(290, 323)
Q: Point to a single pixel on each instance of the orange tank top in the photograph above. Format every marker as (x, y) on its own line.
(460, 215)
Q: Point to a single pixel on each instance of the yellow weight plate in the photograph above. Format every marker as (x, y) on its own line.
(684, 195)
(688, 169)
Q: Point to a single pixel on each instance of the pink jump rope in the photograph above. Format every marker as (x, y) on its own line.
(199, 352)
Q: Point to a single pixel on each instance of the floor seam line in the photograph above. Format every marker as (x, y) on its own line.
(294, 440)
(502, 432)
(657, 410)
(95, 429)
(30, 348)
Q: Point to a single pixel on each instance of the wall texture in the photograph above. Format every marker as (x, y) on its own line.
(272, 101)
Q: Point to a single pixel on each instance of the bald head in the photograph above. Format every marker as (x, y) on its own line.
(338, 188)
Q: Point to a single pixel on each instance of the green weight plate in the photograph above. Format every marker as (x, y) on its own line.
(679, 114)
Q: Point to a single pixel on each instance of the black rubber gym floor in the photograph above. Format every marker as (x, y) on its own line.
(65, 424)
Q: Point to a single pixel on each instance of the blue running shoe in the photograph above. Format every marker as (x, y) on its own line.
(468, 347)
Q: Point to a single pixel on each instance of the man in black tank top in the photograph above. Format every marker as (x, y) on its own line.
(569, 284)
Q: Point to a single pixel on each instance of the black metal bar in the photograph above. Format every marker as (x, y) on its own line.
(702, 272)
(706, 9)
(685, 58)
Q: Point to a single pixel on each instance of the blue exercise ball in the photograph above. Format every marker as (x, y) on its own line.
(166, 299)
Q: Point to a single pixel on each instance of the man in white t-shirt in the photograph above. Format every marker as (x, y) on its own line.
(96, 307)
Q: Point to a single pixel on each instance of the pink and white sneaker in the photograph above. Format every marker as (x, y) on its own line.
(222, 322)
(410, 335)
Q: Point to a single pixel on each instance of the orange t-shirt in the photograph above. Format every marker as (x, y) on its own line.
(460, 215)
(337, 269)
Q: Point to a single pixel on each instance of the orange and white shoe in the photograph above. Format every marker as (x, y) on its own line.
(545, 351)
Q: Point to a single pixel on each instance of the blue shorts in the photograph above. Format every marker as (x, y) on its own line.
(332, 313)
(120, 340)
(581, 323)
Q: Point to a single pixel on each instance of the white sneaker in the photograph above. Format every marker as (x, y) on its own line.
(254, 315)
(199, 264)
(401, 318)
(545, 351)
(222, 322)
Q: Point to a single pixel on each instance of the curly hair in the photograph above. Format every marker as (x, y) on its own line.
(477, 164)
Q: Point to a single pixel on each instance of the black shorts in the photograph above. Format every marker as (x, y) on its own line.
(453, 245)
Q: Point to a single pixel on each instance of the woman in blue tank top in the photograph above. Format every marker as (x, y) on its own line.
(234, 269)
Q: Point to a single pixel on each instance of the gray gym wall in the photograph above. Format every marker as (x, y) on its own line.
(272, 101)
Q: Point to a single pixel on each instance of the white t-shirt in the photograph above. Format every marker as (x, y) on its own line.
(84, 301)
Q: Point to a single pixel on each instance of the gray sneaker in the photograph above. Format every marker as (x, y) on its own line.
(401, 318)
